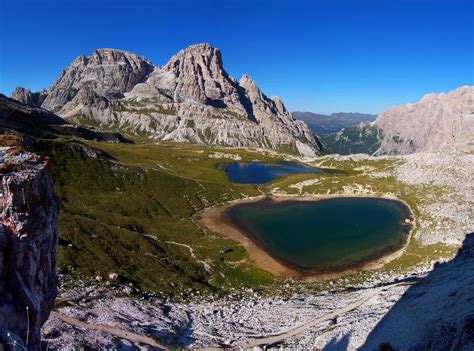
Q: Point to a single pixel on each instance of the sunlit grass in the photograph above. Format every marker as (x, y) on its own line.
(118, 215)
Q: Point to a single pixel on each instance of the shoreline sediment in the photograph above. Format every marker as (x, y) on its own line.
(217, 219)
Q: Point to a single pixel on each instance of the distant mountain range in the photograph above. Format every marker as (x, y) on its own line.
(326, 124)
(190, 99)
(364, 138)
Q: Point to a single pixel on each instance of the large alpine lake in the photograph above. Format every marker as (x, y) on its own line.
(264, 172)
(324, 235)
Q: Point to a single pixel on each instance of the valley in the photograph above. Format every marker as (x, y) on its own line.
(158, 229)
(191, 210)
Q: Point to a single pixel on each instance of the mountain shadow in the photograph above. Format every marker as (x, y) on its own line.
(435, 314)
(25, 121)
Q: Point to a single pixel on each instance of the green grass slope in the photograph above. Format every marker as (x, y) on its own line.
(137, 220)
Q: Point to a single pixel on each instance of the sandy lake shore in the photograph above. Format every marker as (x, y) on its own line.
(216, 219)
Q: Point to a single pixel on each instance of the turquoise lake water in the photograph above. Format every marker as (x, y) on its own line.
(324, 235)
(263, 172)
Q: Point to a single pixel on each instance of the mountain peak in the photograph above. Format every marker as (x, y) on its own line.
(200, 47)
(203, 52)
(29, 98)
(108, 50)
(107, 72)
(115, 56)
(200, 76)
(191, 98)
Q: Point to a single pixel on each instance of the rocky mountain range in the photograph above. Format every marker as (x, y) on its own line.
(326, 124)
(437, 123)
(189, 99)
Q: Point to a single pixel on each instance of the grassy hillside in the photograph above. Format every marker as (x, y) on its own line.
(135, 219)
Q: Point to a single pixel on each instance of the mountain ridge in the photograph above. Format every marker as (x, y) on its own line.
(323, 124)
(189, 99)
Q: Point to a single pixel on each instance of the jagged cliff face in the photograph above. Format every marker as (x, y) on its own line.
(107, 73)
(190, 99)
(28, 244)
(198, 75)
(28, 97)
(438, 122)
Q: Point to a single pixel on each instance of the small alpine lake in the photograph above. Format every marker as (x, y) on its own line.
(264, 172)
(323, 235)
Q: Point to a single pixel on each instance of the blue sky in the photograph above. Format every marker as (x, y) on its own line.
(320, 56)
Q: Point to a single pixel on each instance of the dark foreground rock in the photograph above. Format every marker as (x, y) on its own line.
(28, 245)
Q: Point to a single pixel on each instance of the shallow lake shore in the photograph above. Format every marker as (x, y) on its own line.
(217, 219)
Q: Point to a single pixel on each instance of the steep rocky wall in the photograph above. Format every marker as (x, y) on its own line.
(28, 244)
(436, 123)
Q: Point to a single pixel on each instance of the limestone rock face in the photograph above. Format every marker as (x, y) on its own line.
(28, 98)
(199, 75)
(28, 244)
(438, 122)
(190, 99)
(109, 73)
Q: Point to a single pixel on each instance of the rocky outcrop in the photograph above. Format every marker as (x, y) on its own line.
(28, 244)
(29, 98)
(438, 122)
(435, 314)
(22, 118)
(24, 121)
(199, 75)
(107, 73)
(190, 99)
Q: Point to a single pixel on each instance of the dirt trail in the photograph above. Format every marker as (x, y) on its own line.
(123, 334)
(206, 265)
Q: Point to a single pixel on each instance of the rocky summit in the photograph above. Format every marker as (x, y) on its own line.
(190, 99)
